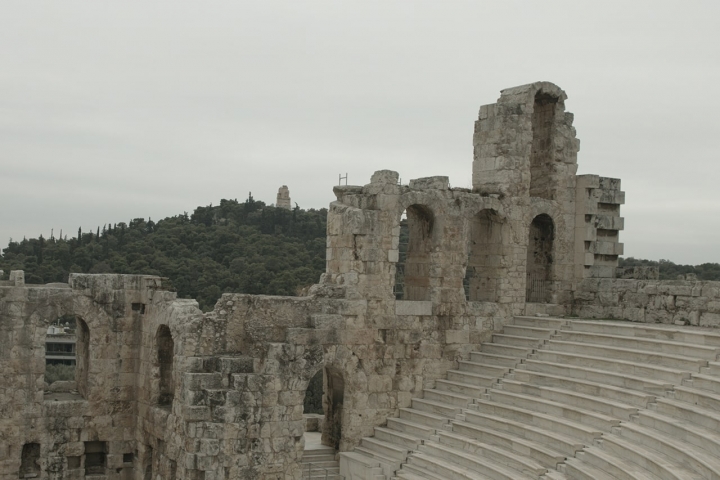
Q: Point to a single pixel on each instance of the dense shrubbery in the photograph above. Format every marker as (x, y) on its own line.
(233, 247)
(670, 270)
(54, 373)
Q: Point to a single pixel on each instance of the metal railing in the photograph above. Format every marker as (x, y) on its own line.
(538, 289)
(320, 470)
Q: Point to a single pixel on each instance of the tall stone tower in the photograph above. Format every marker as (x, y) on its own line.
(283, 198)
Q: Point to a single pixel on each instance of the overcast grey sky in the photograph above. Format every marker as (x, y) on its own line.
(116, 110)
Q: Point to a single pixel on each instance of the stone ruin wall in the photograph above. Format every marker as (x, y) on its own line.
(228, 402)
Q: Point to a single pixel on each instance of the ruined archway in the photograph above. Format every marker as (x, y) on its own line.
(165, 357)
(485, 250)
(540, 259)
(542, 178)
(82, 356)
(412, 274)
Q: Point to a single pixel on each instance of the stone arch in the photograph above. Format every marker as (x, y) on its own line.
(82, 356)
(165, 357)
(412, 273)
(540, 259)
(485, 250)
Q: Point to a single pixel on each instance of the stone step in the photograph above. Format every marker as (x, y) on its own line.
(704, 382)
(528, 342)
(698, 460)
(477, 460)
(548, 407)
(423, 418)
(443, 469)
(554, 475)
(525, 331)
(560, 442)
(622, 380)
(471, 378)
(386, 448)
(542, 322)
(519, 446)
(685, 335)
(578, 470)
(483, 368)
(500, 456)
(656, 464)
(437, 408)
(696, 396)
(587, 402)
(585, 433)
(450, 398)
(690, 413)
(323, 459)
(404, 440)
(672, 376)
(686, 432)
(628, 355)
(713, 368)
(506, 350)
(493, 359)
(471, 391)
(408, 472)
(409, 427)
(593, 389)
(612, 465)
(645, 344)
(388, 464)
(412, 472)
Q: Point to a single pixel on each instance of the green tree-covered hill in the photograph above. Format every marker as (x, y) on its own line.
(233, 247)
(670, 270)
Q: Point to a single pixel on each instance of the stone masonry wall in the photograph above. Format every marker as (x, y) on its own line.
(686, 302)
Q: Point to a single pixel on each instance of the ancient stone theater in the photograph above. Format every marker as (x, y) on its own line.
(482, 333)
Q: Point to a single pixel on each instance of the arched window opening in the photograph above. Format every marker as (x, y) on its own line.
(484, 258)
(540, 259)
(82, 356)
(542, 183)
(333, 403)
(166, 355)
(412, 271)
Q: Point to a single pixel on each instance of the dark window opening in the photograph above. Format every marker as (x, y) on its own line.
(82, 358)
(139, 308)
(484, 269)
(412, 271)
(542, 181)
(127, 457)
(166, 355)
(540, 260)
(30, 460)
(95, 458)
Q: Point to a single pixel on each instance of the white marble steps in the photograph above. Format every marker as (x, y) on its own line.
(641, 344)
(693, 336)
(560, 399)
(673, 361)
(319, 461)
(599, 376)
